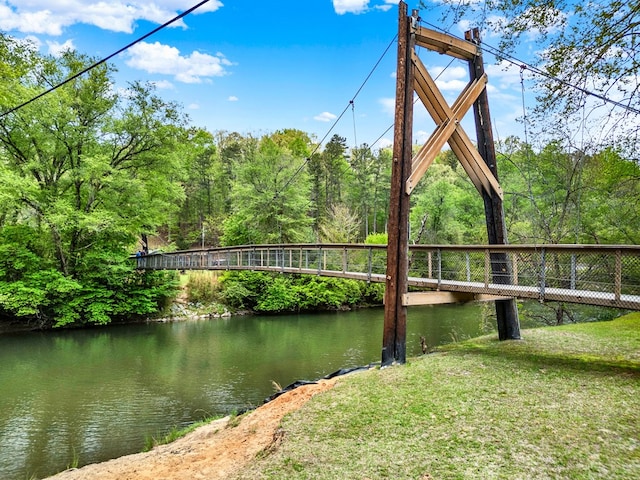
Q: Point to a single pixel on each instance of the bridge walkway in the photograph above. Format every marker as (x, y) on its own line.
(604, 275)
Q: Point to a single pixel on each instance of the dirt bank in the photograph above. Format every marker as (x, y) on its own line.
(214, 451)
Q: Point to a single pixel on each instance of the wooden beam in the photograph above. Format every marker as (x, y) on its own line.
(460, 143)
(446, 44)
(397, 277)
(506, 310)
(439, 297)
(443, 132)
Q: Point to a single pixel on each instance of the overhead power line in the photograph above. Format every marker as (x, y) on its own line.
(106, 59)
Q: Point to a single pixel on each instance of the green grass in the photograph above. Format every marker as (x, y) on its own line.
(562, 403)
(174, 434)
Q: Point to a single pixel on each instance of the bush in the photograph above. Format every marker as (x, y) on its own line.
(274, 292)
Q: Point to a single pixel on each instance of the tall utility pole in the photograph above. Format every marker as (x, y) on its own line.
(479, 163)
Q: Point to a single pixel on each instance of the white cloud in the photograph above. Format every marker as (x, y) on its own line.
(325, 117)
(57, 49)
(232, 98)
(384, 143)
(167, 60)
(451, 78)
(51, 18)
(193, 106)
(504, 86)
(464, 25)
(388, 106)
(421, 136)
(388, 5)
(163, 84)
(350, 6)
(504, 74)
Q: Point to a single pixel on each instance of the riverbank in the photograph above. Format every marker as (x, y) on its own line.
(562, 403)
(215, 451)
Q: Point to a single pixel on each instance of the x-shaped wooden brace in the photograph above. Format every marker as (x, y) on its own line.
(449, 130)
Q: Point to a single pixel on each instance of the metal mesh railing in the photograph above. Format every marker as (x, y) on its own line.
(590, 274)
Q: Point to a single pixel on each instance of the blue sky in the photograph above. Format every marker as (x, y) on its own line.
(257, 67)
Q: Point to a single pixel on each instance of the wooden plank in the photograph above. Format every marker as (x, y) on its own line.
(428, 91)
(441, 297)
(443, 132)
(460, 143)
(446, 44)
(458, 139)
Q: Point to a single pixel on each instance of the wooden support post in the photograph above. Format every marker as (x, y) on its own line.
(395, 313)
(618, 276)
(506, 310)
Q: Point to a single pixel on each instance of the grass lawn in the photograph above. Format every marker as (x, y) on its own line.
(562, 403)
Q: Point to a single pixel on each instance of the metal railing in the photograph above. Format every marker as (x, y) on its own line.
(607, 275)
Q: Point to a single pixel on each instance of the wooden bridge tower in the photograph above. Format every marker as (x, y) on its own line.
(478, 161)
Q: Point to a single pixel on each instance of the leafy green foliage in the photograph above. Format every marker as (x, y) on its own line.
(377, 239)
(552, 196)
(340, 226)
(270, 197)
(272, 293)
(580, 47)
(447, 208)
(44, 296)
(278, 296)
(83, 172)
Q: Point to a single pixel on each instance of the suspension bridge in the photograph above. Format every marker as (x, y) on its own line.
(603, 275)
(421, 274)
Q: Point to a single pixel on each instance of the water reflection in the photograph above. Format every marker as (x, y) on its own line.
(89, 395)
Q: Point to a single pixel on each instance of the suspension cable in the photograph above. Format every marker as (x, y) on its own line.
(353, 114)
(351, 102)
(105, 59)
(524, 109)
(522, 64)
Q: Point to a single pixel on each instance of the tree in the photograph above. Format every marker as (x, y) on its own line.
(369, 188)
(83, 173)
(362, 189)
(543, 193)
(270, 198)
(340, 226)
(582, 47)
(611, 212)
(327, 170)
(205, 191)
(556, 196)
(447, 209)
(381, 172)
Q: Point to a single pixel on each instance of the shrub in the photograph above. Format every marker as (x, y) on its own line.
(274, 292)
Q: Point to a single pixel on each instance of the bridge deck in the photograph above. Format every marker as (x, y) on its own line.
(588, 274)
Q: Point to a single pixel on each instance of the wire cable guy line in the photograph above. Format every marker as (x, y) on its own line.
(350, 104)
(90, 67)
(526, 66)
(415, 101)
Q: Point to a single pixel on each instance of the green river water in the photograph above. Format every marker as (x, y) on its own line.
(69, 398)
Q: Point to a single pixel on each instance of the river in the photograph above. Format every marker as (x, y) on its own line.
(69, 398)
